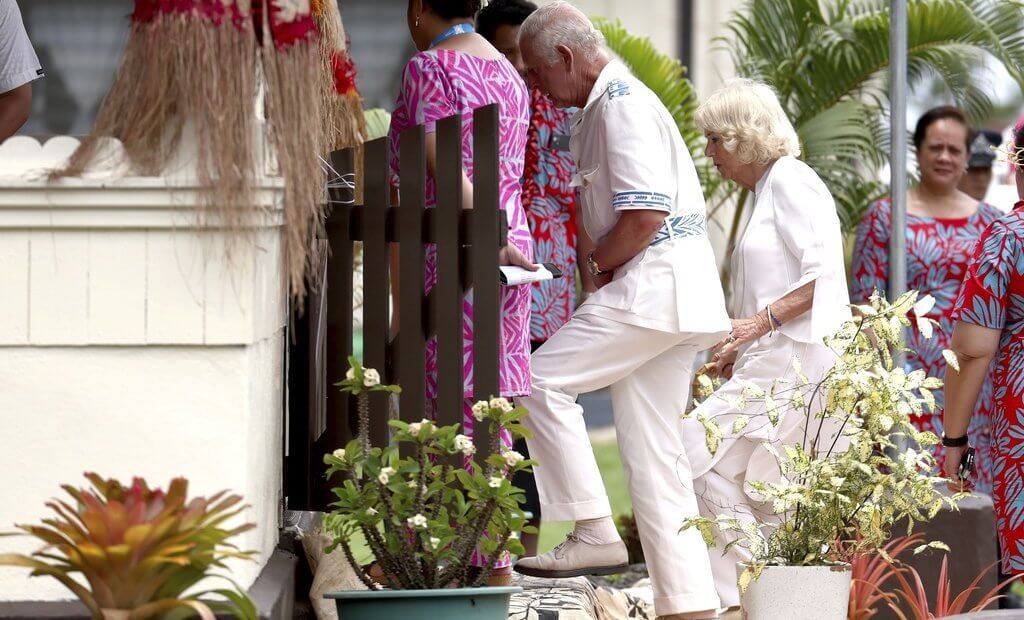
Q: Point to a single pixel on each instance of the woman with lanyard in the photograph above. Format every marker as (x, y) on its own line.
(457, 71)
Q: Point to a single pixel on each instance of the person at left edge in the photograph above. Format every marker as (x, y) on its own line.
(19, 67)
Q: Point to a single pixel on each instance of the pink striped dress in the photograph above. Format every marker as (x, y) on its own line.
(437, 84)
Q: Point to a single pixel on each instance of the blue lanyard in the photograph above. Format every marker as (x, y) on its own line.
(455, 30)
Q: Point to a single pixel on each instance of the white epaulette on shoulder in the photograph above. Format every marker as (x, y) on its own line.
(617, 88)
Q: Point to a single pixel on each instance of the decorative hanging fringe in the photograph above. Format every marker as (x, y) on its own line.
(190, 66)
(291, 65)
(343, 107)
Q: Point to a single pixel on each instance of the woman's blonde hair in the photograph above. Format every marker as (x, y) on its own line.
(749, 118)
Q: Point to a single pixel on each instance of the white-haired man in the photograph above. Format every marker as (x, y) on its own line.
(660, 302)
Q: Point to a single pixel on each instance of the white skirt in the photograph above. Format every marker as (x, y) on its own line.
(768, 364)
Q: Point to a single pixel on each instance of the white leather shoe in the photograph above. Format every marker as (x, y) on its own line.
(574, 558)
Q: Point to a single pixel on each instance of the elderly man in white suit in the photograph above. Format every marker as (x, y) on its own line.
(660, 302)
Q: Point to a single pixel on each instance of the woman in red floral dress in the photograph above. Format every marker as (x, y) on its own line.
(943, 225)
(990, 324)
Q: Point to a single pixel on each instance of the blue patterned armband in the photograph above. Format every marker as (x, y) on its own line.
(641, 200)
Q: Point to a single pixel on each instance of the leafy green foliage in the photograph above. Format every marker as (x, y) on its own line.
(422, 514)
(844, 488)
(139, 549)
(828, 61)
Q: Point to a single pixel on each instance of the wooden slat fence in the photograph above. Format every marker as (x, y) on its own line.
(467, 243)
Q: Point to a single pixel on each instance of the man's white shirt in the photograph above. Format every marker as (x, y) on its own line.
(629, 155)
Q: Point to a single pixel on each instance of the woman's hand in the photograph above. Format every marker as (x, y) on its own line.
(743, 331)
(951, 458)
(511, 255)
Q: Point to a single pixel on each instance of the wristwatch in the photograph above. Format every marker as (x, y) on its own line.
(592, 266)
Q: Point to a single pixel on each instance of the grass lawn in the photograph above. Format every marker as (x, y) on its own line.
(607, 453)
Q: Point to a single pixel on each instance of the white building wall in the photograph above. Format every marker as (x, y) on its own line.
(130, 346)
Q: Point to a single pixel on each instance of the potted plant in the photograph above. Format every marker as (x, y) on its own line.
(423, 505)
(832, 504)
(141, 551)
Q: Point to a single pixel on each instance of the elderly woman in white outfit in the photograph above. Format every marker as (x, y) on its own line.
(789, 292)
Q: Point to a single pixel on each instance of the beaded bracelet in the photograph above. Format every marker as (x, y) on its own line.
(773, 323)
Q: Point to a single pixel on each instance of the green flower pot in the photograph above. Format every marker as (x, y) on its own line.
(446, 604)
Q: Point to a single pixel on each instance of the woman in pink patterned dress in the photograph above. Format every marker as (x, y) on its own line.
(457, 71)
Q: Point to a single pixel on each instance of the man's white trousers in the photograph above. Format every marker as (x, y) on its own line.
(649, 373)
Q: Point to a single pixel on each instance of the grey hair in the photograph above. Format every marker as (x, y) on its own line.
(560, 23)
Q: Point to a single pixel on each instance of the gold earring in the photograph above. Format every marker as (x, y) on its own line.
(417, 25)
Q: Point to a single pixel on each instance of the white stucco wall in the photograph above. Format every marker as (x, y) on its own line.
(130, 346)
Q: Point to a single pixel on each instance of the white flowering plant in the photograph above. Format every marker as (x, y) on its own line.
(842, 491)
(427, 501)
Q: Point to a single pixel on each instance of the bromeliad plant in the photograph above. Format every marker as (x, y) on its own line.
(140, 551)
(832, 504)
(420, 512)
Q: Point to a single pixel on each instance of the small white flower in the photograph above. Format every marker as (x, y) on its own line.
(351, 374)
(411, 484)
(480, 410)
(339, 453)
(370, 377)
(417, 521)
(385, 474)
(416, 427)
(512, 458)
(371, 512)
(494, 482)
(464, 445)
(501, 403)
(434, 542)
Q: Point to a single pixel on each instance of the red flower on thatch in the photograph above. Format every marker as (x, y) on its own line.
(214, 10)
(344, 73)
(291, 22)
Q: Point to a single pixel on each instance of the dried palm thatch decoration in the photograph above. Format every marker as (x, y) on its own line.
(193, 66)
(295, 113)
(183, 67)
(343, 107)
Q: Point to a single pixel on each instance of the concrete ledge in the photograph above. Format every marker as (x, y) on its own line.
(273, 593)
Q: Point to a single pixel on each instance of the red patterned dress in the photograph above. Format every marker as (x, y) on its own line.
(993, 296)
(938, 251)
(550, 206)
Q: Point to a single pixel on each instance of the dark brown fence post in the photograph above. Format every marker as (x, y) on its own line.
(411, 337)
(466, 242)
(376, 290)
(486, 293)
(330, 312)
(448, 295)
